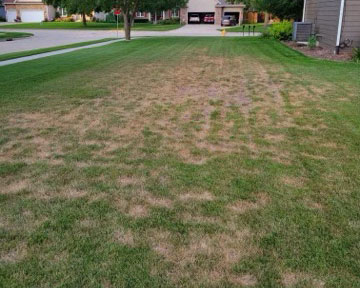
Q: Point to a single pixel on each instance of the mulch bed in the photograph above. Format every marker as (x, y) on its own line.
(320, 52)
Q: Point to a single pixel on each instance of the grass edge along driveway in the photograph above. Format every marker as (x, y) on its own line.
(10, 35)
(14, 55)
(180, 162)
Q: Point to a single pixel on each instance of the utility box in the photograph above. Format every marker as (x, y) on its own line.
(301, 31)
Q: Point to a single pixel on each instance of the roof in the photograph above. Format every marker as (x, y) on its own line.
(224, 3)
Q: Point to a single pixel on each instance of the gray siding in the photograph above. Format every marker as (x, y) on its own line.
(351, 25)
(324, 14)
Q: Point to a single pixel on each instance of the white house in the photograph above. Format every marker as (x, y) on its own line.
(28, 10)
(216, 8)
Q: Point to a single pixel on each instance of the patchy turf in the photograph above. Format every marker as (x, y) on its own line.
(180, 162)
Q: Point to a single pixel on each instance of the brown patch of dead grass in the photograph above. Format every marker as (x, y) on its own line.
(291, 279)
(14, 255)
(227, 248)
(124, 237)
(243, 206)
(246, 280)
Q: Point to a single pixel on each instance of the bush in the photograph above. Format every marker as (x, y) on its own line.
(281, 30)
(171, 21)
(266, 34)
(312, 42)
(141, 20)
(356, 55)
(65, 19)
(2, 19)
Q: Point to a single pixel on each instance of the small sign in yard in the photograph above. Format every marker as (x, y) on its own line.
(117, 13)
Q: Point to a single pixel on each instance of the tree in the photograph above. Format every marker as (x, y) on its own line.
(130, 7)
(82, 7)
(284, 9)
(128, 10)
(156, 6)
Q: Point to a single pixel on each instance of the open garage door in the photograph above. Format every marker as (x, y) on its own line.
(236, 14)
(32, 15)
(10, 15)
(201, 18)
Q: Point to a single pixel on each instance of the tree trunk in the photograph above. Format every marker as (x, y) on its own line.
(83, 18)
(267, 19)
(127, 26)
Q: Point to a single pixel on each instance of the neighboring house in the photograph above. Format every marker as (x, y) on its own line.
(217, 8)
(144, 15)
(28, 10)
(2, 12)
(334, 21)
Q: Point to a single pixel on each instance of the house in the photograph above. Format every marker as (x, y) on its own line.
(2, 12)
(334, 21)
(216, 8)
(28, 10)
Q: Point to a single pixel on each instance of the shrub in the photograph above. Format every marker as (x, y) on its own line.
(141, 20)
(65, 19)
(281, 30)
(356, 54)
(171, 21)
(266, 34)
(312, 42)
(2, 19)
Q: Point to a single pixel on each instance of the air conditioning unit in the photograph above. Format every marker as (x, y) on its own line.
(301, 31)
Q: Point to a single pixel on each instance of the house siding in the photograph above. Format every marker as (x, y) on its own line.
(324, 14)
(351, 25)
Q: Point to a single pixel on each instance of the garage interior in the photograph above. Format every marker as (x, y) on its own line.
(202, 16)
(236, 14)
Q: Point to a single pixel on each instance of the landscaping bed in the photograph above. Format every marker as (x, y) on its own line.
(320, 52)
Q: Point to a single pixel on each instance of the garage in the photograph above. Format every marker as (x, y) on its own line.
(201, 18)
(235, 14)
(32, 15)
(10, 15)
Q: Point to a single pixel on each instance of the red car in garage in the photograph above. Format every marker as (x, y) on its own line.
(209, 18)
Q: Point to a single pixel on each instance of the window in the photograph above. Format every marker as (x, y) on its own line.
(140, 14)
(62, 12)
(175, 13)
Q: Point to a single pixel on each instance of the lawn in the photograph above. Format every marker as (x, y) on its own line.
(259, 27)
(20, 54)
(180, 162)
(91, 26)
(10, 35)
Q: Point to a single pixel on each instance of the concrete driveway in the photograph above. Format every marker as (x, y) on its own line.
(49, 38)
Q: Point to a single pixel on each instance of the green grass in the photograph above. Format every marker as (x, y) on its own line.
(232, 163)
(259, 27)
(20, 54)
(10, 35)
(91, 26)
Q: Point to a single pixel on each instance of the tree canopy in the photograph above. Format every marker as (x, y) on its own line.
(83, 7)
(284, 9)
